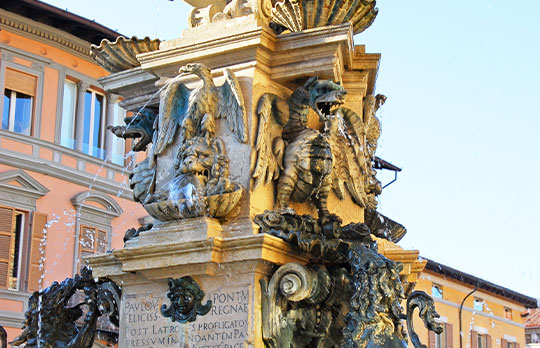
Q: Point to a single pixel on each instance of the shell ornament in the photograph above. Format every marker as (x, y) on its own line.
(298, 15)
(121, 55)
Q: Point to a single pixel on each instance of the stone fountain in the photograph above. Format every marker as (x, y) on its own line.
(260, 130)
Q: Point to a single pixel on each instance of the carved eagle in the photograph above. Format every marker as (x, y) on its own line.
(195, 110)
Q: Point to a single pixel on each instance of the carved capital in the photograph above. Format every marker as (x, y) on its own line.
(82, 86)
(112, 98)
(7, 56)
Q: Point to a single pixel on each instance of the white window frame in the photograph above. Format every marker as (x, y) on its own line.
(101, 136)
(119, 115)
(22, 236)
(73, 114)
(11, 112)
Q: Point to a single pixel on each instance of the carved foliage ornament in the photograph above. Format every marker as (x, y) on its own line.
(348, 296)
(186, 296)
(51, 322)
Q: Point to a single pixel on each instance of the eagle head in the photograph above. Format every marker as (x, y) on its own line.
(198, 69)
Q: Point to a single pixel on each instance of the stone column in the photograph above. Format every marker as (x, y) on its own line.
(109, 121)
(82, 86)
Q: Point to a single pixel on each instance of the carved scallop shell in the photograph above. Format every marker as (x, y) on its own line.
(121, 55)
(217, 206)
(297, 15)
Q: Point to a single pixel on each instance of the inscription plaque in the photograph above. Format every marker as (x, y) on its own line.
(225, 326)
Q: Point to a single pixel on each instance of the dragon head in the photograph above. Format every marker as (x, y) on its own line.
(324, 95)
(139, 127)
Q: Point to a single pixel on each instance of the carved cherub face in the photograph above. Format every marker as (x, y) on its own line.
(185, 294)
(185, 301)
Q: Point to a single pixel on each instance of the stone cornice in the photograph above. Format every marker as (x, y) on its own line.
(11, 319)
(258, 247)
(41, 32)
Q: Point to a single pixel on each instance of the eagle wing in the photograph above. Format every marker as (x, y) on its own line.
(173, 110)
(231, 106)
(273, 114)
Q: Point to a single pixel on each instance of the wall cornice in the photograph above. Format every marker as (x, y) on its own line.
(49, 35)
(56, 169)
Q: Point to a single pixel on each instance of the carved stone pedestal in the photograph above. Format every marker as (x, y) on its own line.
(228, 270)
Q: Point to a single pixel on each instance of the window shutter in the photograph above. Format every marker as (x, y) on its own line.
(36, 270)
(503, 343)
(474, 339)
(20, 82)
(6, 227)
(449, 337)
(87, 241)
(517, 344)
(431, 339)
(101, 242)
(488, 341)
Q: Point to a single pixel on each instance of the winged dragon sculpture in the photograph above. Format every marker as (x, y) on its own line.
(307, 162)
(192, 179)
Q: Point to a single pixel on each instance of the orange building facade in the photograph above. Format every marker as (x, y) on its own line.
(63, 183)
(491, 316)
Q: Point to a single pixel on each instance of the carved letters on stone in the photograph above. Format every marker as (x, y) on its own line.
(226, 321)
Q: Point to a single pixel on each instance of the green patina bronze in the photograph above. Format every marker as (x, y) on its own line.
(186, 296)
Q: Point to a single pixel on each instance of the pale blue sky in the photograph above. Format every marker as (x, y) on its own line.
(461, 119)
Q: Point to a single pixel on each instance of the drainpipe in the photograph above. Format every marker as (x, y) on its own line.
(460, 310)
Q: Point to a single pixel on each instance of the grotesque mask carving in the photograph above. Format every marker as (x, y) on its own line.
(186, 296)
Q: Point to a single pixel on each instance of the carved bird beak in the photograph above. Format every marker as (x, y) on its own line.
(184, 71)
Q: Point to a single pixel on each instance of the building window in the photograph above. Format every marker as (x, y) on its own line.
(118, 144)
(478, 305)
(440, 340)
(11, 236)
(67, 131)
(482, 341)
(510, 344)
(92, 241)
(93, 124)
(436, 291)
(507, 313)
(18, 109)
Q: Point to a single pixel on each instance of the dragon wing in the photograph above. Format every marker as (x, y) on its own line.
(371, 122)
(273, 114)
(231, 106)
(350, 163)
(173, 107)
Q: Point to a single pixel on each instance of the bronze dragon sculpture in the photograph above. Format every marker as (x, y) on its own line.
(50, 321)
(307, 162)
